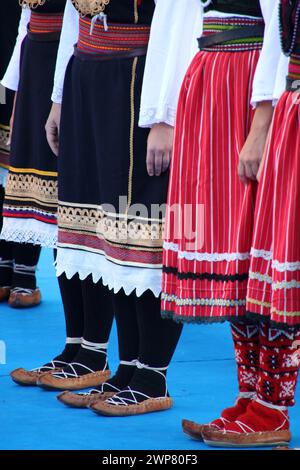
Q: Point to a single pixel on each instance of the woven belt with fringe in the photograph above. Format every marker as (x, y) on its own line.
(116, 40)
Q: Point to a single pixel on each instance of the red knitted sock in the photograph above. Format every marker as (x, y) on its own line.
(246, 346)
(278, 368)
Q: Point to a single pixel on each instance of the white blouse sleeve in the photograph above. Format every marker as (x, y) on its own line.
(12, 74)
(280, 82)
(69, 37)
(175, 27)
(265, 75)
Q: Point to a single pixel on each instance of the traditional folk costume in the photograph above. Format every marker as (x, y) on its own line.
(8, 31)
(210, 211)
(273, 300)
(30, 207)
(101, 188)
(17, 263)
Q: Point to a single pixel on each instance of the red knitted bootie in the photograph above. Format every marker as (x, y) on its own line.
(231, 414)
(261, 425)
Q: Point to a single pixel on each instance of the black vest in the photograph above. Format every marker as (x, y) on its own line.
(123, 11)
(289, 27)
(238, 7)
(51, 6)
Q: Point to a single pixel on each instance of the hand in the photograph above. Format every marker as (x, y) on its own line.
(52, 128)
(251, 155)
(11, 121)
(258, 176)
(159, 148)
(253, 150)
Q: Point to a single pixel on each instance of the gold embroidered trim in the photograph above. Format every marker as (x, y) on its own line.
(131, 138)
(114, 228)
(273, 309)
(90, 7)
(31, 3)
(258, 302)
(34, 171)
(30, 187)
(284, 313)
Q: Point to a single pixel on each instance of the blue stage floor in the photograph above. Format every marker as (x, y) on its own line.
(201, 380)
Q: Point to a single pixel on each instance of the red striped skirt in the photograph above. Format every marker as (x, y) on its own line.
(274, 283)
(209, 222)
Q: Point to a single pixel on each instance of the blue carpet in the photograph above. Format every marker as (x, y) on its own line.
(201, 380)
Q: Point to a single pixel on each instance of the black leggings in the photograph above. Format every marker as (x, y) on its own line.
(142, 332)
(88, 308)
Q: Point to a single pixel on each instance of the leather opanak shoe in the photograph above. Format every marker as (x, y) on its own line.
(27, 377)
(4, 293)
(115, 407)
(260, 426)
(24, 298)
(195, 430)
(83, 400)
(93, 379)
(224, 438)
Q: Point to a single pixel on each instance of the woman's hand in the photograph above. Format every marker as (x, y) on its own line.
(258, 176)
(252, 153)
(159, 148)
(52, 128)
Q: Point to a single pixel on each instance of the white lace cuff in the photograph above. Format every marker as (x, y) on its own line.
(57, 95)
(150, 116)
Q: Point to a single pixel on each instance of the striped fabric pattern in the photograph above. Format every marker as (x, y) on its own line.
(274, 285)
(45, 22)
(207, 248)
(294, 67)
(217, 25)
(31, 194)
(118, 38)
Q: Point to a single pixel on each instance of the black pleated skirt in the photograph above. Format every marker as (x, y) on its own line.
(110, 211)
(10, 15)
(30, 207)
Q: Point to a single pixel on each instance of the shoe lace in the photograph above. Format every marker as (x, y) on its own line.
(119, 400)
(22, 291)
(74, 373)
(101, 390)
(50, 366)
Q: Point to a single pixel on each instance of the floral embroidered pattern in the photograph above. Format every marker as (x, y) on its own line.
(90, 7)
